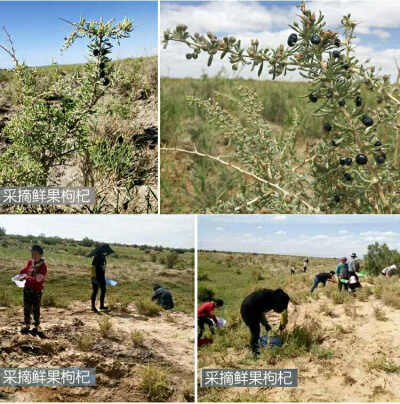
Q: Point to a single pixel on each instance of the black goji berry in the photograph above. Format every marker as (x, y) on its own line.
(367, 121)
(315, 39)
(361, 159)
(292, 39)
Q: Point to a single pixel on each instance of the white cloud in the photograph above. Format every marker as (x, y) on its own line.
(173, 231)
(219, 228)
(280, 233)
(279, 218)
(250, 20)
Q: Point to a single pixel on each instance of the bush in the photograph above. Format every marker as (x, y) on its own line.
(85, 342)
(2, 231)
(172, 259)
(356, 104)
(87, 242)
(137, 338)
(205, 294)
(105, 327)
(49, 300)
(203, 277)
(380, 256)
(147, 308)
(155, 384)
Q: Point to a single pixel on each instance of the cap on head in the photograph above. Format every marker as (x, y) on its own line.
(394, 266)
(156, 286)
(37, 248)
(219, 302)
(354, 255)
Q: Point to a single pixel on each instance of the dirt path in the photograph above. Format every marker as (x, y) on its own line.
(168, 343)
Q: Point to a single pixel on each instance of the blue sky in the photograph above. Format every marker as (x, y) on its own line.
(39, 33)
(378, 29)
(168, 231)
(305, 235)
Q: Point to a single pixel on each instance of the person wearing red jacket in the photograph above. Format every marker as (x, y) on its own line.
(35, 272)
(205, 315)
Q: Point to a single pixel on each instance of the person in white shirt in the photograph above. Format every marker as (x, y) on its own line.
(389, 271)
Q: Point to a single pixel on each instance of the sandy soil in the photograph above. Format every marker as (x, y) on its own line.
(348, 375)
(167, 343)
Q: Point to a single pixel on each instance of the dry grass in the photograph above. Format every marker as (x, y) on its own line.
(380, 314)
(154, 383)
(105, 327)
(137, 338)
(147, 308)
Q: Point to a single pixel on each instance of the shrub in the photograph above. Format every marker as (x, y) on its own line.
(172, 259)
(380, 256)
(85, 342)
(105, 327)
(205, 294)
(55, 122)
(341, 87)
(203, 277)
(147, 308)
(381, 363)
(380, 314)
(2, 231)
(49, 300)
(137, 338)
(155, 384)
(87, 242)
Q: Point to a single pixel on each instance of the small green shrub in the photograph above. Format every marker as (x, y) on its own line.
(105, 327)
(205, 294)
(147, 308)
(172, 259)
(155, 384)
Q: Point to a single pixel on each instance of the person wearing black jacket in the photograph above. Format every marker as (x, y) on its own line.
(323, 277)
(99, 264)
(255, 306)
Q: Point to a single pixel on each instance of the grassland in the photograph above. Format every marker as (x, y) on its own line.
(128, 111)
(132, 346)
(345, 348)
(192, 184)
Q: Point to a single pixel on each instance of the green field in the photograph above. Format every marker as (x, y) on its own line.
(140, 351)
(135, 268)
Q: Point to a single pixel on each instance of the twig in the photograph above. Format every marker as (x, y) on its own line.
(11, 52)
(241, 170)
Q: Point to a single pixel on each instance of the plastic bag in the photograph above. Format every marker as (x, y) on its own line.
(18, 280)
(111, 282)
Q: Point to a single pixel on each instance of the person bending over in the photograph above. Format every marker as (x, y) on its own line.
(255, 306)
(323, 277)
(163, 297)
(205, 315)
